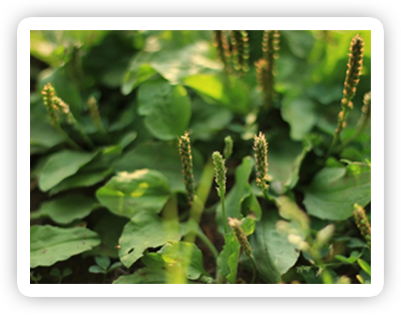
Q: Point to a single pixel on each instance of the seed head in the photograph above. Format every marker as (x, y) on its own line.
(235, 225)
(94, 110)
(353, 72)
(48, 100)
(362, 223)
(184, 145)
(220, 173)
(228, 148)
(366, 104)
(220, 41)
(260, 148)
(240, 50)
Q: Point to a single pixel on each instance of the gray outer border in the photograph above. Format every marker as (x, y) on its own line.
(16, 12)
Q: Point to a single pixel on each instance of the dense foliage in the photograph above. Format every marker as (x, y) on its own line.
(200, 157)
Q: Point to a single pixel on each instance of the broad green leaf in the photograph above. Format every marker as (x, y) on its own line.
(145, 276)
(43, 135)
(143, 232)
(80, 179)
(299, 221)
(109, 228)
(285, 158)
(227, 261)
(187, 256)
(274, 254)
(172, 64)
(230, 91)
(96, 269)
(300, 114)
(128, 194)
(137, 74)
(163, 157)
(62, 165)
(50, 244)
(102, 261)
(239, 195)
(167, 108)
(334, 191)
(64, 209)
(207, 120)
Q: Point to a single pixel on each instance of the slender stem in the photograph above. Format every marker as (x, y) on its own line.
(66, 137)
(360, 128)
(223, 211)
(201, 196)
(253, 270)
(83, 134)
(208, 243)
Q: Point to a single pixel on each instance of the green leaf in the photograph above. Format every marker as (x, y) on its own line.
(136, 75)
(109, 228)
(114, 266)
(172, 64)
(230, 92)
(145, 276)
(285, 158)
(80, 179)
(300, 114)
(96, 269)
(55, 272)
(240, 194)
(163, 157)
(207, 120)
(143, 232)
(50, 244)
(334, 191)
(227, 261)
(43, 135)
(62, 165)
(365, 266)
(128, 194)
(66, 272)
(102, 261)
(66, 208)
(274, 254)
(185, 255)
(167, 108)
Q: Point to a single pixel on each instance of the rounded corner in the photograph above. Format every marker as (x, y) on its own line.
(23, 290)
(377, 290)
(22, 23)
(376, 23)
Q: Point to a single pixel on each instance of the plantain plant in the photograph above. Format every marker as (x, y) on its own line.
(214, 157)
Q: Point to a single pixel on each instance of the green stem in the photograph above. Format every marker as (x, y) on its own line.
(338, 131)
(253, 270)
(360, 128)
(223, 211)
(83, 134)
(208, 243)
(202, 193)
(66, 137)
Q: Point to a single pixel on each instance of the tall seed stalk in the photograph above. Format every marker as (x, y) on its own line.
(350, 85)
(49, 100)
(220, 175)
(265, 67)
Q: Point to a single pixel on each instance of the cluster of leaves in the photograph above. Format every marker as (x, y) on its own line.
(122, 173)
